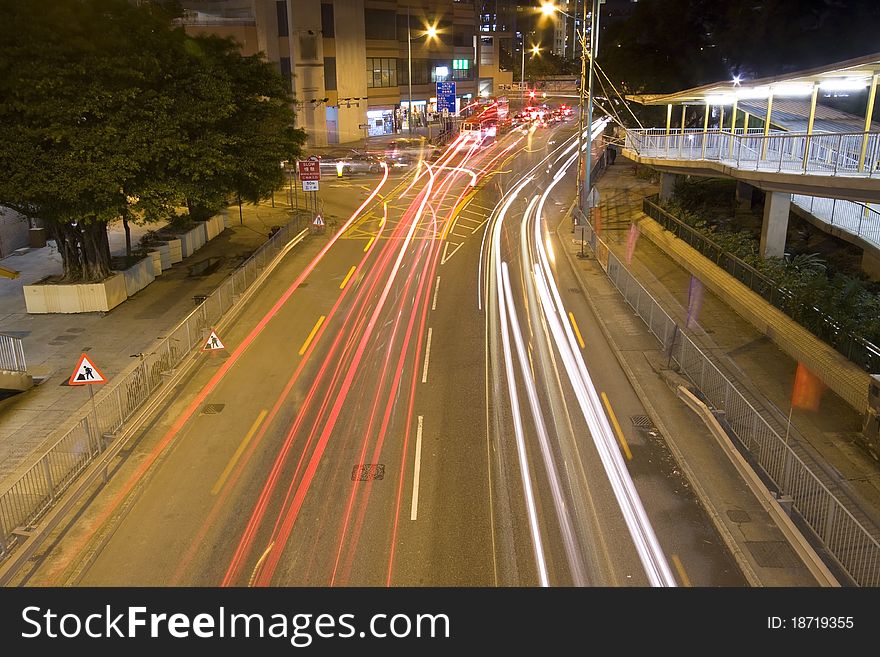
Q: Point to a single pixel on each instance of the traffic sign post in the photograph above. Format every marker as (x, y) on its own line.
(86, 373)
(310, 169)
(213, 343)
(446, 97)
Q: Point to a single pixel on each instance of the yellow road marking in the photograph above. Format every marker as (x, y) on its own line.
(385, 214)
(238, 452)
(577, 331)
(685, 580)
(458, 208)
(347, 276)
(616, 425)
(370, 243)
(309, 339)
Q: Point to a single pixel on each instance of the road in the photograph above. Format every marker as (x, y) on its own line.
(422, 398)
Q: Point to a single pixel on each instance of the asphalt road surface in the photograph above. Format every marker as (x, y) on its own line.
(419, 396)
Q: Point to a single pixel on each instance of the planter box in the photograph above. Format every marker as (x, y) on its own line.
(175, 252)
(156, 260)
(192, 240)
(215, 225)
(76, 298)
(138, 276)
(164, 252)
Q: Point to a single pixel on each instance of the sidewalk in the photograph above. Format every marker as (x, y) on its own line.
(53, 343)
(763, 372)
(755, 542)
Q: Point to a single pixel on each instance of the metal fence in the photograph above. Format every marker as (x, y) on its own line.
(858, 219)
(831, 154)
(856, 348)
(12, 354)
(851, 544)
(35, 492)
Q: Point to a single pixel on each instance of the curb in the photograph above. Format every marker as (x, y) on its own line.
(713, 513)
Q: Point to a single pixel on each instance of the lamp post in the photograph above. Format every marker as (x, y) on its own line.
(549, 9)
(430, 32)
(535, 50)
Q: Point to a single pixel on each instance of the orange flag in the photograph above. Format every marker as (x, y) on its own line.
(807, 392)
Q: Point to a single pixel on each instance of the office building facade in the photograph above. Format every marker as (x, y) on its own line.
(348, 61)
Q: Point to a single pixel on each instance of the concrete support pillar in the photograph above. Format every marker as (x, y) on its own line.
(871, 264)
(775, 224)
(667, 185)
(743, 195)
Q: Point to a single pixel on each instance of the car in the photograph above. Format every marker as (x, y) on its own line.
(407, 150)
(347, 161)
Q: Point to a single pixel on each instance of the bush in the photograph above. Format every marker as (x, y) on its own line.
(850, 302)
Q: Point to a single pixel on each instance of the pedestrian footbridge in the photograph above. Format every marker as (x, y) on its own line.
(779, 137)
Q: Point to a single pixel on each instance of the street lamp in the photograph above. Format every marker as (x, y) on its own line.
(548, 9)
(430, 33)
(522, 81)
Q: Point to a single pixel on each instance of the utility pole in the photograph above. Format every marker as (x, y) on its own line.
(594, 46)
(581, 93)
(409, 111)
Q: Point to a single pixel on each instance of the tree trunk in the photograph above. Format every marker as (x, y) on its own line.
(67, 238)
(96, 251)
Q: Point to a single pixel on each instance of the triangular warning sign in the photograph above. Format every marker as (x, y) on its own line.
(319, 220)
(213, 343)
(86, 373)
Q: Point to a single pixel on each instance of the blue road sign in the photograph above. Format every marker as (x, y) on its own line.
(446, 97)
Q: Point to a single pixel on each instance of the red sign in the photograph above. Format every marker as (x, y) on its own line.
(310, 169)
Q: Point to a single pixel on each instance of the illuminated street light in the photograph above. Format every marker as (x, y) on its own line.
(548, 8)
(430, 33)
(536, 49)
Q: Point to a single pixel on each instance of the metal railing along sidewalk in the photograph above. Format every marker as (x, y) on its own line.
(851, 543)
(12, 354)
(36, 491)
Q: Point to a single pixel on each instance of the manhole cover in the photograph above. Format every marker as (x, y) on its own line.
(738, 516)
(368, 471)
(642, 422)
(773, 554)
(212, 409)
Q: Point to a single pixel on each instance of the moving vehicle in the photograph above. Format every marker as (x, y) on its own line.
(408, 150)
(348, 161)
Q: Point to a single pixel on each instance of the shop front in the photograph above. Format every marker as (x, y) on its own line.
(419, 114)
(381, 121)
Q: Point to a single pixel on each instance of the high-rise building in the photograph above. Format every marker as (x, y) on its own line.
(349, 61)
(497, 27)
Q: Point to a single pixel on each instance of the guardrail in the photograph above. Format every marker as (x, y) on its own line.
(856, 348)
(858, 219)
(12, 354)
(846, 539)
(36, 491)
(829, 154)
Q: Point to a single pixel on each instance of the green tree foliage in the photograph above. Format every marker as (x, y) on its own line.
(816, 293)
(770, 37)
(548, 63)
(664, 46)
(108, 112)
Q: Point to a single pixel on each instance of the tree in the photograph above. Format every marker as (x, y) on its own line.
(546, 64)
(110, 112)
